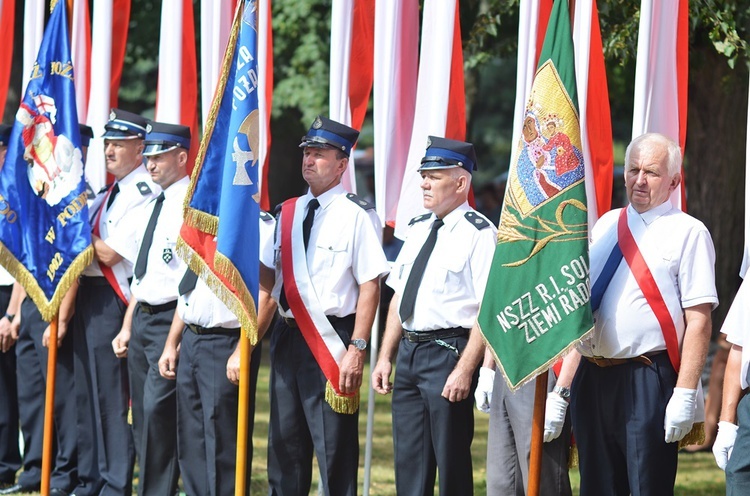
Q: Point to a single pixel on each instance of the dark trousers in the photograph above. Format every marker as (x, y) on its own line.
(429, 432)
(618, 420)
(738, 467)
(10, 456)
(207, 413)
(105, 442)
(302, 422)
(154, 404)
(32, 377)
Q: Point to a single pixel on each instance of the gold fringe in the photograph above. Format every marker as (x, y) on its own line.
(193, 217)
(573, 457)
(242, 306)
(52, 5)
(697, 435)
(130, 415)
(341, 404)
(47, 308)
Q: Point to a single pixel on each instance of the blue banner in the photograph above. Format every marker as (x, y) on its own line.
(219, 239)
(45, 237)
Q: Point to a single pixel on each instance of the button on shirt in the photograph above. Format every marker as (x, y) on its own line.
(119, 225)
(456, 273)
(680, 255)
(344, 251)
(165, 269)
(737, 327)
(202, 307)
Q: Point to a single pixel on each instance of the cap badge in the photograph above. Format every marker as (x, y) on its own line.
(429, 142)
(317, 124)
(148, 128)
(112, 115)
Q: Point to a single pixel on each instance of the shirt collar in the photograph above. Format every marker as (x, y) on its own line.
(177, 188)
(133, 176)
(651, 215)
(454, 216)
(326, 198)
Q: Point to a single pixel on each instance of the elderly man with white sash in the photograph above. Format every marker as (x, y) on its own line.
(637, 392)
(328, 262)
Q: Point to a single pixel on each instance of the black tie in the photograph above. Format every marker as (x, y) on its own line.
(148, 238)
(112, 195)
(187, 284)
(417, 271)
(306, 228)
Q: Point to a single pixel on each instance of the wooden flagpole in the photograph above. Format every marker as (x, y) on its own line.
(537, 434)
(49, 408)
(240, 474)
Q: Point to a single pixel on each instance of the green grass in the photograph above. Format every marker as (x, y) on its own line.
(697, 474)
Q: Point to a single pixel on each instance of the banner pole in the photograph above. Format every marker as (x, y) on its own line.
(240, 474)
(537, 433)
(49, 408)
(374, 336)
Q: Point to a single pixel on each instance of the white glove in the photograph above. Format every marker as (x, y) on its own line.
(483, 393)
(724, 443)
(678, 419)
(554, 416)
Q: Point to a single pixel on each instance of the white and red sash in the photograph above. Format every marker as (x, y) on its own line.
(322, 339)
(108, 272)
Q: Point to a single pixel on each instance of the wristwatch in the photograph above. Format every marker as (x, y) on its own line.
(9, 316)
(360, 344)
(563, 392)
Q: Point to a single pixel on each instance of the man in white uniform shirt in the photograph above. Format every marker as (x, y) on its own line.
(327, 284)
(157, 273)
(105, 444)
(206, 370)
(438, 279)
(634, 394)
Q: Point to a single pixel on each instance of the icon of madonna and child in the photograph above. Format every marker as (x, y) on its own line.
(548, 162)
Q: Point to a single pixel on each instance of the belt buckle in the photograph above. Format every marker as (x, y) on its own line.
(290, 322)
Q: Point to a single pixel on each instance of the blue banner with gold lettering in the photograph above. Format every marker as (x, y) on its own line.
(45, 237)
(219, 237)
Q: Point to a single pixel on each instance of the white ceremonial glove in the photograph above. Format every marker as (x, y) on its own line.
(678, 419)
(483, 393)
(724, 443)
(554, 416)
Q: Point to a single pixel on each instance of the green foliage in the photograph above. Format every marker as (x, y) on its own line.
(727, 24)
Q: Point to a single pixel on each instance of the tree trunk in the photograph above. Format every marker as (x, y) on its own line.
(715, 161)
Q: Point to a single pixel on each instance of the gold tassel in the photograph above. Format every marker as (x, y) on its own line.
(341, 404)
(130, 415)
(697, 435)
(573, 457)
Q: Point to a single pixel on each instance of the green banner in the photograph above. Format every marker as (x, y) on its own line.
(536, 305)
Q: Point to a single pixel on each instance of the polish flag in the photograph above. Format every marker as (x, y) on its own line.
(394, 97)
(265, 98)
(33, 30)
(216, 23)
(593, 108)
(440, 95)
(7, 24)
(660, 101)
(351, 71)
(177, 89)
(81, 54)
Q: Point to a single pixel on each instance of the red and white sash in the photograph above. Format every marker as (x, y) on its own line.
(322, 339)
(108, 272)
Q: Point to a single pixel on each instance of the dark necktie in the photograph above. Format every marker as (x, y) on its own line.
(148, 238)
(113, 194)
(409, 297)
(307, 223)
(187, 284)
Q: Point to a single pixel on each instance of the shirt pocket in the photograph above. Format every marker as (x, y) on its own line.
(448, 275)
(332, 253)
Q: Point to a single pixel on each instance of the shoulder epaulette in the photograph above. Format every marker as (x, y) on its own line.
(105, 188)
(360, 201)
(143, 188)
(265, 216)
(277, 210)
(420, 218)
(477, 220)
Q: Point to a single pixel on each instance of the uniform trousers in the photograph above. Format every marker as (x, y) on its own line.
(509, 445)
(207, 412)
(10, 456)
(429, 432)
(154, 404)
(738, 467)
(105, 441)
(302, 422)
(32, 378)
(618, 420)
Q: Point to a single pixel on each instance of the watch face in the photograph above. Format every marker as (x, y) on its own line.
(360, 344)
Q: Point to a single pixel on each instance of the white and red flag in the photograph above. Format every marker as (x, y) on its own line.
(33, 30)
(7, 24)
(440, 108)
(265, 97)
(660, 100)
(80, 47)
(394, 97)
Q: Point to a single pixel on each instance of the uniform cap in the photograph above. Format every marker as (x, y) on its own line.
(162, 137)
(86, 134)
(444, 153)
(125, 125)
(326, 133)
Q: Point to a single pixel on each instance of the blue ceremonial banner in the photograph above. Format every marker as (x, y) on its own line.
(45, 237)
(219, 237)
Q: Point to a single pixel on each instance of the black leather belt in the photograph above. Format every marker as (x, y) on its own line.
(645, 359)
(93, 281)
(200, 330)
(153, 309)
(6, 289)
(424, 336)
(290, 322)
